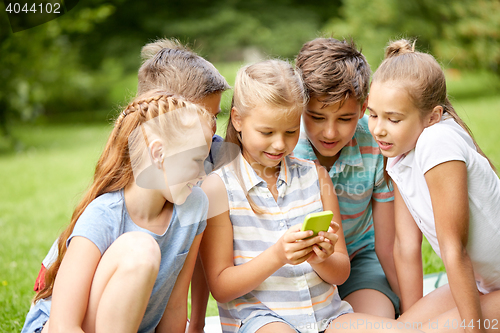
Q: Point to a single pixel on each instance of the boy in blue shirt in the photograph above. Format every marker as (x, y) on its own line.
(335, 134)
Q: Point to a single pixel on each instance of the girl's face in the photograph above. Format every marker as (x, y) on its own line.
(394, 121)
(266, 136)
(184, 168)
(331, 127)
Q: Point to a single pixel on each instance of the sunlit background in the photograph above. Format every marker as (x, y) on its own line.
(63, 82)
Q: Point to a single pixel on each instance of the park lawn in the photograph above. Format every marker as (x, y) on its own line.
(43, 181)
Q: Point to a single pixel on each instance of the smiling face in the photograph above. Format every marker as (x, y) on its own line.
(330, 127)
(266, 138)
(184, 168)
(394, 121)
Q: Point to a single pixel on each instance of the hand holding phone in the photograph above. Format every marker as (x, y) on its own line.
(317, 221)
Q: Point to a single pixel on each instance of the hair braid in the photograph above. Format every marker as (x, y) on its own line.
(114, 169)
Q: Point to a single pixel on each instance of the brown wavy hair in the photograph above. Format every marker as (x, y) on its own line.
(334, 70)
(113, 171)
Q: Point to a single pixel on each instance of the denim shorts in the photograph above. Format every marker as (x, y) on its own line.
(37, 316)
(40, 329)
(367, 273)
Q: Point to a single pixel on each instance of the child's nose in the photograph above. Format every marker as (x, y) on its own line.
(279, 143)
(330, 131)
(379, 129)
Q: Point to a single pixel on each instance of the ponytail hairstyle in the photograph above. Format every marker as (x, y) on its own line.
(114, 170)
(270, 83)
(170, 66)
(422, 78)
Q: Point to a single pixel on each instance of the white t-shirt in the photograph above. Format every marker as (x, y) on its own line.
(443, 142)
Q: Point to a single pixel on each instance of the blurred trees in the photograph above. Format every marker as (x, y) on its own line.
(460, 33)
(80, 61)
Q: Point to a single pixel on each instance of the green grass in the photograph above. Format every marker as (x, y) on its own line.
(42, 182)
(40, 187)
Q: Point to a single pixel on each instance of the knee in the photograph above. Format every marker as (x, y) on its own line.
(140, 252)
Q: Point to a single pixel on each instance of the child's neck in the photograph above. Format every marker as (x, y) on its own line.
(326, 161)
(148, 208)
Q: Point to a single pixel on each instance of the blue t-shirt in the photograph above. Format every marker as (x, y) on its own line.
(106, 218)
(358, 177)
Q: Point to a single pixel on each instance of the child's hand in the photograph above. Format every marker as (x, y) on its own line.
(325, 246)
(292, 248)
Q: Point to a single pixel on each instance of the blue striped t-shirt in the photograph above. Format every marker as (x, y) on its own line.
(358, 177)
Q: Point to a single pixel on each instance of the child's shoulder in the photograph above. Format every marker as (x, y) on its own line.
(446, 132)
(107, 202)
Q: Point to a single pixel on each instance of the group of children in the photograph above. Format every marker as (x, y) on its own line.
(408, 168)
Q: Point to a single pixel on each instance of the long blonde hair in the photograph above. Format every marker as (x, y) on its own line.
(422, 78)
(114, 169)
(271, 83)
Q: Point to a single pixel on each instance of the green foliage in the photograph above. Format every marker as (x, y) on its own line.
(461, 34)
(41, 70)
(85, 59)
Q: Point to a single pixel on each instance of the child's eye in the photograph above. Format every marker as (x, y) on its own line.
(394, 121)
(266, 133)
(317, 118)
(291, 132)
(372, 115)
(345, 119)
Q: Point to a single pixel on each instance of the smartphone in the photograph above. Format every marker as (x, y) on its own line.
(317, 221)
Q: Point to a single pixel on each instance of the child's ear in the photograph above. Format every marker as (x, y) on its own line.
(435, 116)
(363, 108)
(156, 153)
(236, 119)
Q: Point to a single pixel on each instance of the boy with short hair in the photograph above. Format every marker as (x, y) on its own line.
(335, 134)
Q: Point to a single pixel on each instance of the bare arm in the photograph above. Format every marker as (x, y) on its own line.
(69, 304)
(447, 183)
(175, 316)
(385, 231)
(227, 281)
(331, 260)
(407, 254)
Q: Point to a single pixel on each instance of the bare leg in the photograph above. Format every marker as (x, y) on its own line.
(450, 321)
(436, 302)
(371, 302)
(122, 284)
(199, 299)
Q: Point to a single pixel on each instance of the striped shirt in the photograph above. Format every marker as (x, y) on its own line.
(295, 293)
(358, 177)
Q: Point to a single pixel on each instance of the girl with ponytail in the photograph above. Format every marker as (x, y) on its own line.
(125, 261)
(445, 188)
